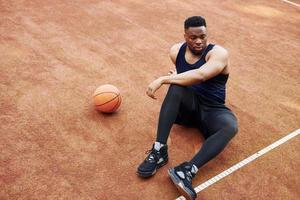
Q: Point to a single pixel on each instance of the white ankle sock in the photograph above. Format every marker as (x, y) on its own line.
(158, 145)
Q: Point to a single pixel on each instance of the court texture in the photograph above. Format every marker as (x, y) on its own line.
(54, 54)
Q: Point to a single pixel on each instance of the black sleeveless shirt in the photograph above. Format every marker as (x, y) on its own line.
(212, 90)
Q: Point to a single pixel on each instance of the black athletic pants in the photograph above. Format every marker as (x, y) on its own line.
(215, 121)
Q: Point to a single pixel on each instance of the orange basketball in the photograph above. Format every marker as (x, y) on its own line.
(107, 98)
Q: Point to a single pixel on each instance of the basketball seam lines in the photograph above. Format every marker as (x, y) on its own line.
(117, 104)
(106, 92)
(108, 101)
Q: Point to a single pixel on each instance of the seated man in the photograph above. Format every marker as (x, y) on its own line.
(195, 98)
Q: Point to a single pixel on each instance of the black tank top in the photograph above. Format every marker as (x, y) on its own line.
(212, 90)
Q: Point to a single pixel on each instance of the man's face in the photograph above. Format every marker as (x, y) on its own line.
(196, 39)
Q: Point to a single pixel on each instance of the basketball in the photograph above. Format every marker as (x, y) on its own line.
(107, 98)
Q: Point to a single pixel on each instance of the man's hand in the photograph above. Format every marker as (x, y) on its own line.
(172, 72)
(155, 85)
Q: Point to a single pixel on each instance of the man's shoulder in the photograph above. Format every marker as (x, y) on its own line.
(177, 45)
(219, 49)
(174, 51)
(175, 48)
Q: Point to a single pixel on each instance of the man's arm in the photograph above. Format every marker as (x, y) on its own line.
(217, 61)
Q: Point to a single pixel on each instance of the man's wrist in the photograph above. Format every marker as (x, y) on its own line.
(165, 79)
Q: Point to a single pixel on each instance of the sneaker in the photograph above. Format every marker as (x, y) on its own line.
(182, 177)
(153, 161)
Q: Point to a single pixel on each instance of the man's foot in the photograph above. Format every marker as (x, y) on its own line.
(182, 177)
(153, 161)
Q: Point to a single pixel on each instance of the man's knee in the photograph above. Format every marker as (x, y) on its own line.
(176, 90)
(231, 129)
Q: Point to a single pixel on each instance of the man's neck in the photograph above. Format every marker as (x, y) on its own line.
(189, 53)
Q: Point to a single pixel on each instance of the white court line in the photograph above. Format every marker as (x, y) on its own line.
(243, 162)
(295, 4)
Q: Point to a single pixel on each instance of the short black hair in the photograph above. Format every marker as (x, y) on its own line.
(194, 21)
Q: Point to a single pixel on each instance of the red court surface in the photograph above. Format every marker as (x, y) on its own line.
(54, 54)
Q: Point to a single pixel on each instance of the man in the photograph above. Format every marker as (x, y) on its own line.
(195, 98)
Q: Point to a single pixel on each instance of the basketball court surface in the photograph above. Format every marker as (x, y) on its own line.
(54, 54)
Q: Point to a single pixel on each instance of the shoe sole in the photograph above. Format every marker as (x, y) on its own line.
(147, 175)
(186, 192)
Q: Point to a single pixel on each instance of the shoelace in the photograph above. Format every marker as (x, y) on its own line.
(152, 154)
(189, 176)
(188, 173)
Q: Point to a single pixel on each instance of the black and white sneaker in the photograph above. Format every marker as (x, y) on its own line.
(153, 161)
(182, 178)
